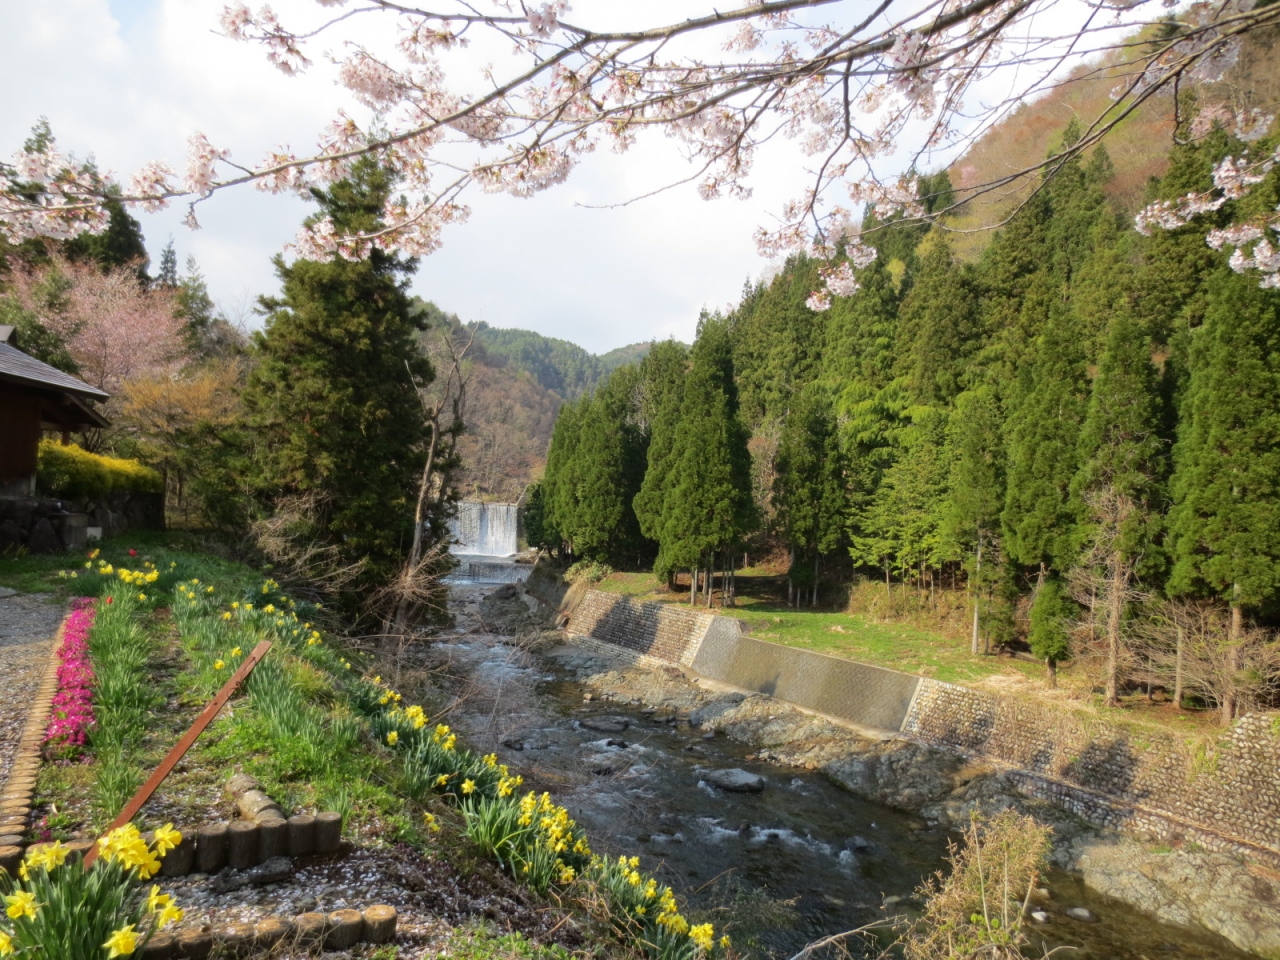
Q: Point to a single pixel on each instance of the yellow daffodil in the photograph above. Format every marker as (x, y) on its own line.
(392, 737)
(430, 820)
(703, 935)
(468, 786)
(235, 651)
(219, 665)
(157, 900)
(442, 780)
(47, 855)
(6, 944)
(725, 942)
(122, 943)
(227, 615)
(166, 839)
(21, 903)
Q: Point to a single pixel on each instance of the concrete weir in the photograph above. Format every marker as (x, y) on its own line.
(857, 692)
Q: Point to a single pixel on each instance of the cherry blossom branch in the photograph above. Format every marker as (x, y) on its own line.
(849, 90)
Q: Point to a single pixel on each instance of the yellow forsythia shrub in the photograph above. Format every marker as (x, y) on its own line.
(68, 471)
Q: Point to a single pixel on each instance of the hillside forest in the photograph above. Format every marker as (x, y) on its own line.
(1079, 428)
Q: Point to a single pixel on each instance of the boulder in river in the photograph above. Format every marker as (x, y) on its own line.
(606, 724)
(735, 780)
(1081, 913)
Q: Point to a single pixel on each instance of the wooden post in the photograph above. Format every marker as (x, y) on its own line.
(182, 746)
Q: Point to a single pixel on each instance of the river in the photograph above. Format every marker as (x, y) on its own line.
(800, 860)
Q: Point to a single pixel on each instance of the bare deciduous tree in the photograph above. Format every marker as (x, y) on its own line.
(1193, 646)
(1102, 582)
(443, 403)
(288, 539)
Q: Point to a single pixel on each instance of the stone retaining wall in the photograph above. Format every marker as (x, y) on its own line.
(1223, 794)
(1230, 787)
(664, 631)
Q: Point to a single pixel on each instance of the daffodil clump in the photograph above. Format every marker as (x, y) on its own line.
(57, 908)
(531, 836)
(222, 632)
(142, 583)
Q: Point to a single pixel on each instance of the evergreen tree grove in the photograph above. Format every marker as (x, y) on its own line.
(334, 418)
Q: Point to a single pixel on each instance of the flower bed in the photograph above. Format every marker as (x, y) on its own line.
(72, 709)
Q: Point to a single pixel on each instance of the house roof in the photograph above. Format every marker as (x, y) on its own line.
(18, 367)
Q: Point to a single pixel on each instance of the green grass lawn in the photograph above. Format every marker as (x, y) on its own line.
(763, 610)
(39, 573)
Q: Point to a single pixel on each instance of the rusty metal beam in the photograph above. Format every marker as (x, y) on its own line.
(182, 746)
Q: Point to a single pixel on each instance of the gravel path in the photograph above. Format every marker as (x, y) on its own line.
(27, 625)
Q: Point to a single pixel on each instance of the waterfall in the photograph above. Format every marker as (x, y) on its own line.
(484, 529)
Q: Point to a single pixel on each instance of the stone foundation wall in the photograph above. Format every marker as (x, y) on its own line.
(42, 525)
(1223, 794)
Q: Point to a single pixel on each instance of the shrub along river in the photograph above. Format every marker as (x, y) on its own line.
(796, 861)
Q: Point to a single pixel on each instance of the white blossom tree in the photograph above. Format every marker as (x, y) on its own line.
(867, 88)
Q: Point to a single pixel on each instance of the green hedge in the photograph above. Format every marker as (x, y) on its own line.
(68, 471)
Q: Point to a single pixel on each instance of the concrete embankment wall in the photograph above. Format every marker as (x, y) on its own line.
(1223, 793)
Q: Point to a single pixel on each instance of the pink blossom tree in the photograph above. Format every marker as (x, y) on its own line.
(114, 328)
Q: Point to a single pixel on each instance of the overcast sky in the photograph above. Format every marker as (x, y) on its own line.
(130, 80)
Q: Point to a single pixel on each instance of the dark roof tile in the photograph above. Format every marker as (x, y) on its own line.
(18, 366)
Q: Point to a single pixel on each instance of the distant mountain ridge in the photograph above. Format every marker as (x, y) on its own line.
(516, 382)
(557, 365)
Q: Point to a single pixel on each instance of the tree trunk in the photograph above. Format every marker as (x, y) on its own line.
(733, 583)
(1230, 697)
(1052, 669)
(1177, 667)
(791, 590)
(1115, 613)
(415, 550)
(693, 586)
(887, 594)
(977, 594)
(816, 559)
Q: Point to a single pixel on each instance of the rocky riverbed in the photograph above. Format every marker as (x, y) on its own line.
(631, 733)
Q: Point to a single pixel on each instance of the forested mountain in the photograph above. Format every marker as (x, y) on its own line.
(556, 365)
(516, 381)
(1083, 419)
(1138, 145)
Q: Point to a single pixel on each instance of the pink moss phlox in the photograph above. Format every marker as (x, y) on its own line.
(72, 706)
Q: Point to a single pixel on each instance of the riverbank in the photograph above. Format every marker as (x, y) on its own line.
(1195, 889)
(1216, 891)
